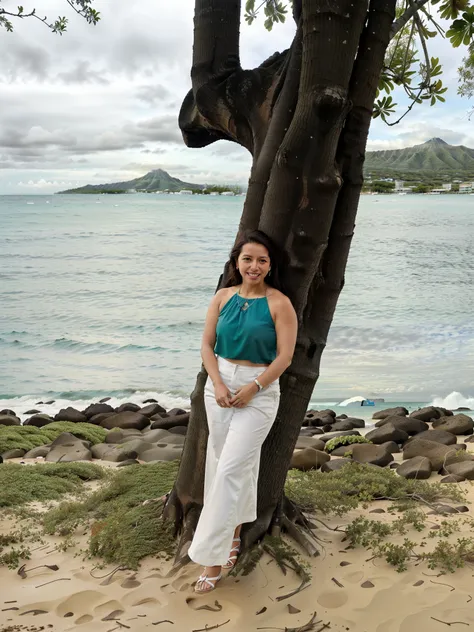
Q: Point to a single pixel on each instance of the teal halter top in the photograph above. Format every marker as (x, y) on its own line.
(245, 331)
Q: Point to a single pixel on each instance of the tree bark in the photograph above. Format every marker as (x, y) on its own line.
(305, 116)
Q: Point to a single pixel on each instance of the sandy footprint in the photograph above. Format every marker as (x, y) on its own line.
(85, 618)
(354, 577)
(333, 598)
(107, 608)
(80, 603)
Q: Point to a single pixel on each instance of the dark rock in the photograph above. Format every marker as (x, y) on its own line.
(391, 447)
(156, 436)
(16, 453)
(150, 401)
(98, 419)
(400, 411)
(444, 412)
(439, 455)
(174, 412)
(39, 403)
(152, 409)
(9, 420)
(39, 420)
(126, 419)
(469, 439)
(343, 416)
(309, 442)
(170, 422)
(418, 467)
(462, 408)
(41, 450)
(167, 453)
(343, 433)
(466, 470)
(408, 424)
(371, 454)
(8, 411)
(181, 430)
(457, 424)
(426, 414)
(308, 459)
(67, 448)
(356, 423)
(50, 402)
(379, 510)
(68, 439)
(328, 411)
(343, 424)
(97, 409)
(452, 478)
(33, 411)
(173, 439)
(389, 432)
(70, 414)
(127, 407)
(309, 432)
(117, 453)
(440, 436)
(343, 450)
(119, 435)
(334, 464)
(104, 399)
(128, 462)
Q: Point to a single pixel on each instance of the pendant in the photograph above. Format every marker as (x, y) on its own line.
(245, 306)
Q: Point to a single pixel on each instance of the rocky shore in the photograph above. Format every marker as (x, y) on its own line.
(417, 444)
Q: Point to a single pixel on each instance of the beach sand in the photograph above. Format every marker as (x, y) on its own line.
(348, 591)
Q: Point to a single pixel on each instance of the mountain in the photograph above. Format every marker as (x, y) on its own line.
(156, 180)
(433, 159)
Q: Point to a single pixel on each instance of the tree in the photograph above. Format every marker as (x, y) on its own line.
(381, 186)
(82, 7)
(304, 116)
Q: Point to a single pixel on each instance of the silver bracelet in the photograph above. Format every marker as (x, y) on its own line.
(260, 387)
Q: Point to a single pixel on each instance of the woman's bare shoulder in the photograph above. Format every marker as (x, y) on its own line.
(223, 295)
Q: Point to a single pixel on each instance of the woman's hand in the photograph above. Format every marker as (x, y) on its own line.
(222, 395)
(243, 395)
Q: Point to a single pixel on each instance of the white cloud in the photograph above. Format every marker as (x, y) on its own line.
(102, 97)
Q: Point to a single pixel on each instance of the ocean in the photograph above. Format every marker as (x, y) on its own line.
(106, 296)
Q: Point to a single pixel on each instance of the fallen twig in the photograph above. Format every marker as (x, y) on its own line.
(164, 621)
(441, 584)
(450, 623)
(217, 608)
(213, 627)
(337, 583)
(307, 627)
(111, 574)
(469, 600)
(61, 579)
(301, 587)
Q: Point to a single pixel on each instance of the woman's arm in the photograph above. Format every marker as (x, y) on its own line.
(208, 356)
(286, 327)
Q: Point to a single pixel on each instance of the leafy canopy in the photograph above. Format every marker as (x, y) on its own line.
(59, 25)
(408, 63)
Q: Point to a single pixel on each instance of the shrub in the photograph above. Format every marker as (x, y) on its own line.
(29, 437)
(20, 484)
(332, 444)
(124, 530)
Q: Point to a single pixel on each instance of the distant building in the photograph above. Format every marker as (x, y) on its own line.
(185, 192)
(466, 187)
(399, 185)
(228, 193)
(447, 186)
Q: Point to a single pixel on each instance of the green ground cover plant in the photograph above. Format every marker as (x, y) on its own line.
(29, 437)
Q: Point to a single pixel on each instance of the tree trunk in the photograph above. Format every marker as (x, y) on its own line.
(305, 116)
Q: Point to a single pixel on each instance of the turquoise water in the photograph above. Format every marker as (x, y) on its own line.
(106, 295)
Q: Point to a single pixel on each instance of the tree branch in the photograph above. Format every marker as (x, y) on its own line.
(406, 17)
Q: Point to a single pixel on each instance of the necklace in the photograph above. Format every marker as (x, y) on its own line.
(246, 304)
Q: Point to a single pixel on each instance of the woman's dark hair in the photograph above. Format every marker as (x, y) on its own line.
(278, 259)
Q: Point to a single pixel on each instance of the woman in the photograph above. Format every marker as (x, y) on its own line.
(248, 342)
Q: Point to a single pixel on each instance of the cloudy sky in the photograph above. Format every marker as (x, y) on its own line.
(100, 104)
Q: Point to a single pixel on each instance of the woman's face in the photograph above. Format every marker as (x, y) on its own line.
(253, 263)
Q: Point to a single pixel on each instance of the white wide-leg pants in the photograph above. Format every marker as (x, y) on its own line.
(235, 440)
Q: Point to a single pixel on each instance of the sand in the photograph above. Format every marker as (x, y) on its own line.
(348, 591)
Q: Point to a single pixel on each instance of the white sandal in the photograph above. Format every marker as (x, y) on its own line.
(234, 554)
(203, 580)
